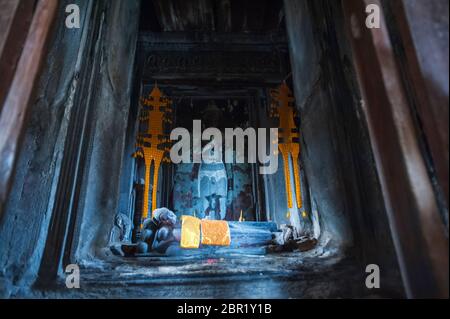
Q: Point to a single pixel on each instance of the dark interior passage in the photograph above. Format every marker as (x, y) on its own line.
(78, 196)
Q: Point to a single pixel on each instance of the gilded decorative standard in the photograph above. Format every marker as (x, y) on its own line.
(152, 144)
(282, 107)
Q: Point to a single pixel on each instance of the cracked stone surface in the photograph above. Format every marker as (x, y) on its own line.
(314, 274)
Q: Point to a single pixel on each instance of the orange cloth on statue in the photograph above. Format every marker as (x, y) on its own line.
(215, 232)
(190, 232)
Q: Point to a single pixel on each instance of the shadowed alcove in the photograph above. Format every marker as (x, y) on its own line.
(78, 196)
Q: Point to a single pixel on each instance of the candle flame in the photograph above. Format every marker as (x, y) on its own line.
(241, 217)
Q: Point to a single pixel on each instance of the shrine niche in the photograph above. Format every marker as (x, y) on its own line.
(222, 86)
(219, 190)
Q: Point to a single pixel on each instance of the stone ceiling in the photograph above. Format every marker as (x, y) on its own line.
(212, 15)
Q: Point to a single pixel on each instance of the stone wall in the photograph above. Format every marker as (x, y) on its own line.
(83, 88)
(112, 100)
(337, 155)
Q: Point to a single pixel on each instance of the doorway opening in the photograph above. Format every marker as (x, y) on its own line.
(222, 75)
(308, 229)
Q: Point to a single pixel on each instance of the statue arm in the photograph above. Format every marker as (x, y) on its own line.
(164, 237)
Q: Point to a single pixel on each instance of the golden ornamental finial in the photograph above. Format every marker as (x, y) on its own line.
(282, 107)
(152, 144)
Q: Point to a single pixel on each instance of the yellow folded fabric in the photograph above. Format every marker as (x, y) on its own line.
(190, 232)
(215, 232)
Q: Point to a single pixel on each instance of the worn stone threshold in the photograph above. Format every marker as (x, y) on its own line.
(140, 270)
(284, 275)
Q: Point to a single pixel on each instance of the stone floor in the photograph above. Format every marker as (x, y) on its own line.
(290, 275)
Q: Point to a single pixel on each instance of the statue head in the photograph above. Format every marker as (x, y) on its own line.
(118, 221)
(121, 220)
(123, 223)
(212, 115)
(165, 216)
